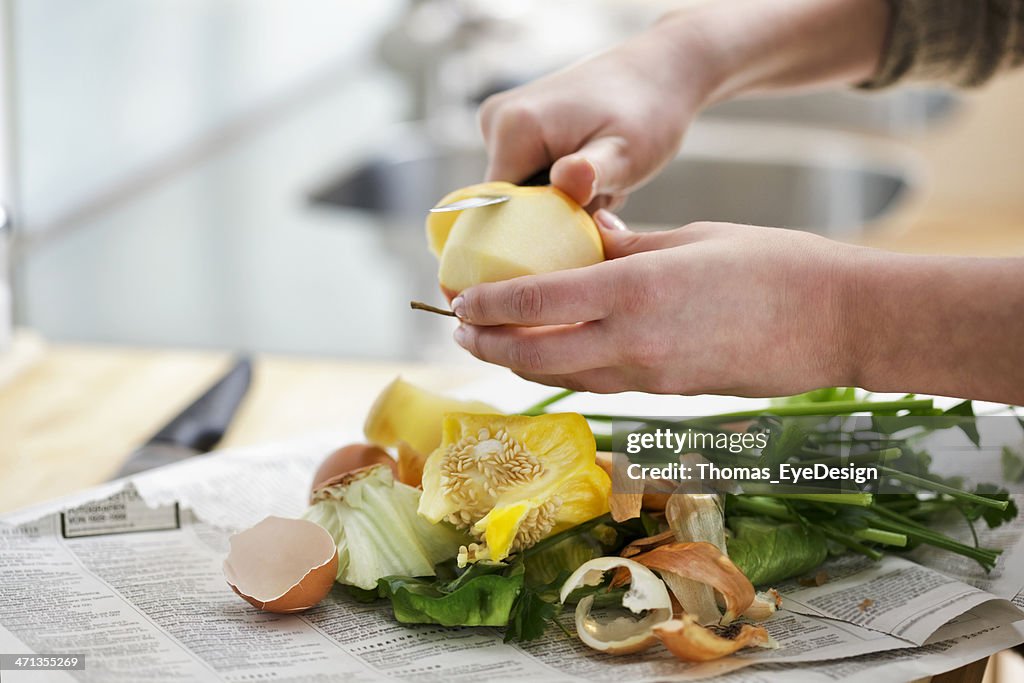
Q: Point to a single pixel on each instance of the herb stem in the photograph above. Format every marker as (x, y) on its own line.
(873, 535)
(858, 499)
(539, 407)
(938, 487)
(849, 543)
(871, 457)
(833, 408)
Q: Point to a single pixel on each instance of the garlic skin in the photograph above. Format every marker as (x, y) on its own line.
(620, 635)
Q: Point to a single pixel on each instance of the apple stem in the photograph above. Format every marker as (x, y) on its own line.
(420, 306)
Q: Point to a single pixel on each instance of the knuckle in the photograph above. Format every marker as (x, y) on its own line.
(489, 109)
(470, 342)
(648, 352)
(514, 116)
(526, 302)
(473, 306)
(637, 288)
(526, 356)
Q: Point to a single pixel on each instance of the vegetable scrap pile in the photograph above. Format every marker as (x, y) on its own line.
(486, 519)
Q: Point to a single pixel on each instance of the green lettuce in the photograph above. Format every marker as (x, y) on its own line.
(374, 523)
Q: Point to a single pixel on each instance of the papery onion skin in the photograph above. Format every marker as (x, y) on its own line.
(704, 564)
(691, 642)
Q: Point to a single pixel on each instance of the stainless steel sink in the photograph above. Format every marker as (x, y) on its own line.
(825, 181)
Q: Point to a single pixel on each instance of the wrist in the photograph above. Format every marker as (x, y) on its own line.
(693, 51)
(770, 45)
(856, 333)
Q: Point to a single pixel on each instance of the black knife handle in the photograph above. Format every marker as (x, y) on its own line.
(203, 424)
(541, 177)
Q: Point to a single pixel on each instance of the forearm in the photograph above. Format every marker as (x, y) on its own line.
(770, 45)
(951, 326)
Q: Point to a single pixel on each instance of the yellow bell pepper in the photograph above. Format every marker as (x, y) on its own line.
(409, 417)
(512, 480)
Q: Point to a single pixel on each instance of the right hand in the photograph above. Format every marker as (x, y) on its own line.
(605, 125)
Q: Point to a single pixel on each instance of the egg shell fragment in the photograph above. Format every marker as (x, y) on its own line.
(282, 565)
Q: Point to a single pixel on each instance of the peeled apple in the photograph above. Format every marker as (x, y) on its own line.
(538, 230)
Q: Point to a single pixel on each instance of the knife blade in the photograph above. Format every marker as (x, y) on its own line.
(542, 177)
(198, 428)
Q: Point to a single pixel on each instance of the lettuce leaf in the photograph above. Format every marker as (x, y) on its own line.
(373, 520)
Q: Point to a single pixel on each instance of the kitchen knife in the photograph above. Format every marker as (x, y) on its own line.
(198, 428)
(542, 177)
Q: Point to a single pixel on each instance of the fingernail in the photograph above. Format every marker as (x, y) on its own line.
(609, 221)
(460, 335)
(459, 306)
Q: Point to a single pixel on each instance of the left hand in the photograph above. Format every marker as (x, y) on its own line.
(706, 308)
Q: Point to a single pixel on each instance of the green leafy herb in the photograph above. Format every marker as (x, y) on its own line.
(768, 552)
(483, 600)
(969, 426)
(1013, 465)
(530, 616)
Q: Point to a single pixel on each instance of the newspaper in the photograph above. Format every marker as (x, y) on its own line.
(130, 577)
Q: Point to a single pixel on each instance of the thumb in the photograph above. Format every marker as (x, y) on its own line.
(620, 241)
(600, 167)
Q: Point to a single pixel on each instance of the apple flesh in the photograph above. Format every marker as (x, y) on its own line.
(538, 230)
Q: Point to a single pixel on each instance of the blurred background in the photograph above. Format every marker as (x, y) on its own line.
(254, 174)
(183, 179)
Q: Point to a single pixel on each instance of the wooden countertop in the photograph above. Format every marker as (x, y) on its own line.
(71, 414)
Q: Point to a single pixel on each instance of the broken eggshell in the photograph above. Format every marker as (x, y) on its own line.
(348, 459)
(621, 635)
(282, 565)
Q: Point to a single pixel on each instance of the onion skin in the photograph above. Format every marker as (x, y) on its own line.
(705, 564)
(691, 642)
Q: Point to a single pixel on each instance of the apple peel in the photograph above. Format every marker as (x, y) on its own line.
(282, 565)
(621, 635)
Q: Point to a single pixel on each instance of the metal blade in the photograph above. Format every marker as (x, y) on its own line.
(472, 203)
(153, 455)
(199, 427)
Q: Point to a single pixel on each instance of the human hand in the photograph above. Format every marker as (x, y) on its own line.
(605, 125)
(706, 308)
